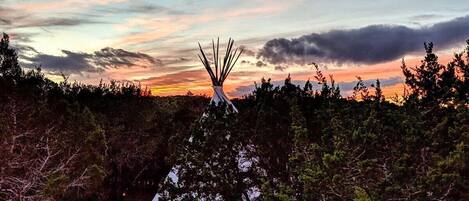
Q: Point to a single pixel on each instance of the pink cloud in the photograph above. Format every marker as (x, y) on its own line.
(155, 28)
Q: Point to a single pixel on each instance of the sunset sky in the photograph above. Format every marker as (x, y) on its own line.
(154, 42)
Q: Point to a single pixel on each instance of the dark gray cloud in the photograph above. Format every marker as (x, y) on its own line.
(79, 62)
(247, 51)
(257, 63)
(260, 64)
(115, 58)
(25, 50)
(280, 67)
(70, 62)
(346, 88)
(367, 45)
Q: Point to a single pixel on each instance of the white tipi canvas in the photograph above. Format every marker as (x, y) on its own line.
(217, 76)
(219, 97)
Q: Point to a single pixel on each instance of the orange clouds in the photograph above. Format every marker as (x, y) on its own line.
(198, 81)
(394, 90)
(178, 83)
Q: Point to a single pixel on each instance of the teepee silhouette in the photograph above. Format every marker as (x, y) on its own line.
(220, 70)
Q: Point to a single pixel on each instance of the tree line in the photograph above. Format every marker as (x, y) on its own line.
(70, 141)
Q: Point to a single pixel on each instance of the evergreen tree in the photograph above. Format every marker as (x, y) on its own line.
(9, 66)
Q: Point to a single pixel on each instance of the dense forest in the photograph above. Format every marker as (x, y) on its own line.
(77, 142)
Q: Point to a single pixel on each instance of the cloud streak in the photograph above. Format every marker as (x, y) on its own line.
(156, 28)
(178, 78)
(367, 45)
(12, 18)
(116, 58)
(78, 62)
(140, 8)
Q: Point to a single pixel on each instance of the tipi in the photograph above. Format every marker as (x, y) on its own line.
(221, 71)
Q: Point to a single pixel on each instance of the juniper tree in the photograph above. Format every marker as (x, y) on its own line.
(9, 66)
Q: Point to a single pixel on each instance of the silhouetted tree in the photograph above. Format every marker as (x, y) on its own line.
(434, 84)
(9, 66)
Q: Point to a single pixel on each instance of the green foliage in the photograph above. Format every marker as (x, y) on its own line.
(361, 194)
(55, 185)
(69, 141)
(212, 161)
